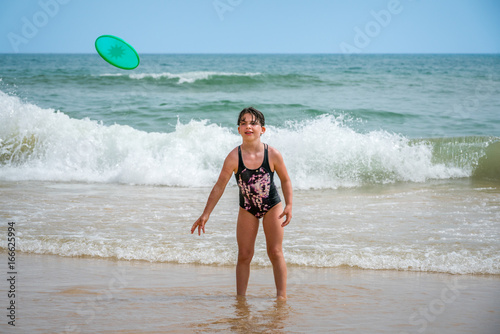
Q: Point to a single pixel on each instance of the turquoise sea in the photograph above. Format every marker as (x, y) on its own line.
(394, 159)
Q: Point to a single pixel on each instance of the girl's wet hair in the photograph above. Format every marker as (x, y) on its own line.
(256, 115)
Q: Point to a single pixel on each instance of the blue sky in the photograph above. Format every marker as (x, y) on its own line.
(253, 26)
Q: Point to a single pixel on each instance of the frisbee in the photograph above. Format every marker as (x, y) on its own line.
(117, 52)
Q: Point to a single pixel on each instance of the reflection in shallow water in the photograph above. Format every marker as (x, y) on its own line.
(253, 315)
(258, 316)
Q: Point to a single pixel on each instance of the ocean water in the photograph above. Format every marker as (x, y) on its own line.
(394, 159)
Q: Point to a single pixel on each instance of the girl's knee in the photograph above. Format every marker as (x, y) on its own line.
(275, 253)
(245, 256)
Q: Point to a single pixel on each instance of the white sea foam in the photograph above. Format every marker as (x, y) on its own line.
(327, 153)
(185, 77)
(44, 144)
(412, 226)
(223, 253)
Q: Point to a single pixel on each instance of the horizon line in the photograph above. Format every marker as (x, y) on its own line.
(262, 53)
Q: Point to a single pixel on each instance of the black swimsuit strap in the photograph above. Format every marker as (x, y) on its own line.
(240, 161)
(265, 163)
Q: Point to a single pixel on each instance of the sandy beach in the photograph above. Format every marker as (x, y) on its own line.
(85, 295)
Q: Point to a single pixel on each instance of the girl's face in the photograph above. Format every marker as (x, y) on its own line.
(250, 128)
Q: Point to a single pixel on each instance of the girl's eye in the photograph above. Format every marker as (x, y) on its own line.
(251, 123)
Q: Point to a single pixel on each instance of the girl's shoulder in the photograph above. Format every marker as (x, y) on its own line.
(234, 151)
(233, 155)
(274, 156)
(273, 151)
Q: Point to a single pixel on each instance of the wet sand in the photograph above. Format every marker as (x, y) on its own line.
(86, 295)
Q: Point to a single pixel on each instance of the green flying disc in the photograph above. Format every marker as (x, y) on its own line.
(117, 52)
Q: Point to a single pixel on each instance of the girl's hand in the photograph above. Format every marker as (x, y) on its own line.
(288, 213)
(200, 223)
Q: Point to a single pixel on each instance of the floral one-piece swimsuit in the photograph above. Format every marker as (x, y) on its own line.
(258, 194)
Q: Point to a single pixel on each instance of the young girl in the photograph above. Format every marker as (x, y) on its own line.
(253, 164)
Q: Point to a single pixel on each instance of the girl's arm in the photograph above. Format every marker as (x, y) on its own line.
(286, 184)
(230, 165)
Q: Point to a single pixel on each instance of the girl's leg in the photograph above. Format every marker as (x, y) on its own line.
(274, 240)
(246, 233)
